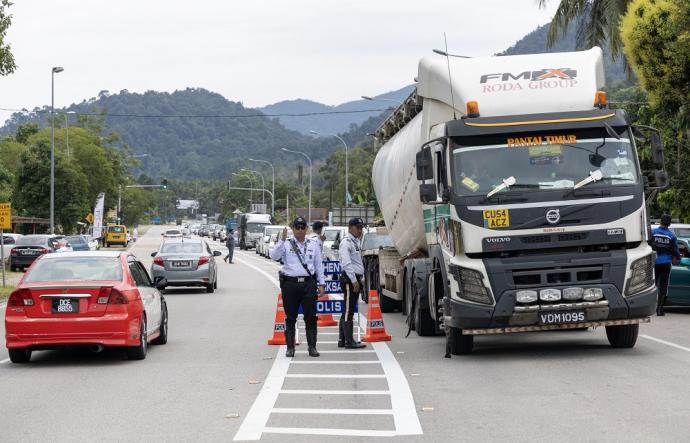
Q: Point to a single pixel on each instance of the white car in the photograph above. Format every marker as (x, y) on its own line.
(9, 240)
(332, 234)
(262, 246)
(172, 233)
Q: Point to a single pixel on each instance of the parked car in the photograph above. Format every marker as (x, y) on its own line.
(172, 233)
(78, 242)
(679, 281)
(92, 299)
(93, 243)
(116, 235)
(186, 263)
(9, 241)
(195, 228)
(26, 249)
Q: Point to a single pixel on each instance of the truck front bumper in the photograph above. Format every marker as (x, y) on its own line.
(506, 314)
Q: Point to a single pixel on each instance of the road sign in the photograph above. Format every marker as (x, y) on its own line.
(329, 307)
(5, 216)
(331, 267)
(89, 218)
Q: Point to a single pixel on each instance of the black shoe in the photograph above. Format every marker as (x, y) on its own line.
(311, 343)
(350, 342)
(660, 312)
(341, 334)
(290, 342)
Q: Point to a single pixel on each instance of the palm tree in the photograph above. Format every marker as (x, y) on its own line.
(596, 21)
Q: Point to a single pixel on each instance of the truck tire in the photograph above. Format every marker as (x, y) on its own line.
(459, 344)
(423, 323)
(623, 336)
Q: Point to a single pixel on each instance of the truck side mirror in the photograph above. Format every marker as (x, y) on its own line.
(428, 193)
(657, 149)
(424, 164)
(661, 178)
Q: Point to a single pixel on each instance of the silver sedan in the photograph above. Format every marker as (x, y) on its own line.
(186, 262)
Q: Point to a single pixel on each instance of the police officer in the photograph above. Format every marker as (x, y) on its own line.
(351, 280)
(317, 232)
(230, 243)
(302, 271)
(665, 244)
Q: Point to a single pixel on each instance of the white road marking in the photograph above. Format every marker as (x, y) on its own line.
(4, 361)
(335, 362)
(667, 343)
(405, 417)
(327, 431)
(262, 272)
(333, 411)
(347, 351)
(335, 376)
(331, 392)
(402, 402)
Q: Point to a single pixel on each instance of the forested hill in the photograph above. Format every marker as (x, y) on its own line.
(207, 136)
(339, 118)
(535, 43)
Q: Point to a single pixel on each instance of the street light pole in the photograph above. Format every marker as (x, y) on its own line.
(263, 183)
(55, 70)
(309, 159)
(273, 184)
(347, 169)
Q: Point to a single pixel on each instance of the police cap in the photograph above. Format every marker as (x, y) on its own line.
(299, 221)
(317, 225)
(666, 220)
(356, 221)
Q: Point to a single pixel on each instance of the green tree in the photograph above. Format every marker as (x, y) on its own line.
(31, 193)
(597, 22)
(7, 65)
(6, 180)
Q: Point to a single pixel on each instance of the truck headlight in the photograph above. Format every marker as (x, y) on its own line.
(642, 275)
(550, 294)
(471, 285)
(526, 296)
(573, 293)
(592, 294)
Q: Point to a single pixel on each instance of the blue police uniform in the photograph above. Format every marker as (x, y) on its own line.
(302, 270)
(665, 243)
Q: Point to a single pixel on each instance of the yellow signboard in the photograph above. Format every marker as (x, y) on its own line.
(5, 216)
(89, 218)
(496, 218)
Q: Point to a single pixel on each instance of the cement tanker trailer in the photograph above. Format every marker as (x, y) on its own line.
(516, 198)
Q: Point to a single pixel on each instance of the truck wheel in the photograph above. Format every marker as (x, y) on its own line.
(458, 343)
(388, 304)
(423, 323)
(623, 336)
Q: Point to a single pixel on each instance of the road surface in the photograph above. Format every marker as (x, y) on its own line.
(218, 380)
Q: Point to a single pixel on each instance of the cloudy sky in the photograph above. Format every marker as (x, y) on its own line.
(255, 51)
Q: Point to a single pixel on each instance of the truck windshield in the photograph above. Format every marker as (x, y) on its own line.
(543, 162)
(256, 228)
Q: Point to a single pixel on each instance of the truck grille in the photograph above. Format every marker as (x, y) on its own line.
(546, 277)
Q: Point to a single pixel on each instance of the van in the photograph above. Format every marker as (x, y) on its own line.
(116, 235)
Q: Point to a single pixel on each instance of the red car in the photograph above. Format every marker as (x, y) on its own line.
(93, 299)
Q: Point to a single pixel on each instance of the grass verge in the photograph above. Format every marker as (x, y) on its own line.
(5, 292)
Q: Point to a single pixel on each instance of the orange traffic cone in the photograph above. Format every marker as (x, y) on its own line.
(375, 329)
(279, 325)
(325, 319)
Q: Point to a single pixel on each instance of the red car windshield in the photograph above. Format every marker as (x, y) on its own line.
(75, 268)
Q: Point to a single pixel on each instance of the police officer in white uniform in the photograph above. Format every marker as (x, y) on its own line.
(352, 269)
(302, 271)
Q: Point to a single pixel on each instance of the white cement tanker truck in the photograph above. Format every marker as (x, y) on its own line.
(516, 198)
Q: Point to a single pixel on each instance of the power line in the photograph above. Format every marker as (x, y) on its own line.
(107, 114)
